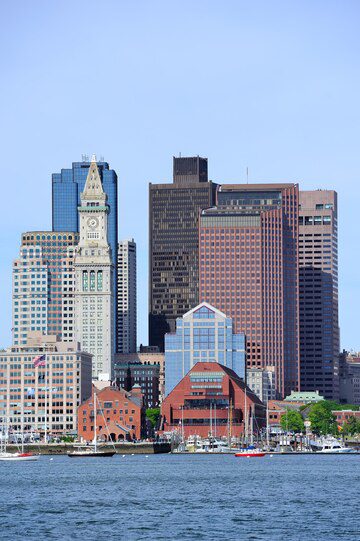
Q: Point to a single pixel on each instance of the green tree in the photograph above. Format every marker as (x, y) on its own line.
(153, 414)
(352, 426)
(292, 421)
(322, 419)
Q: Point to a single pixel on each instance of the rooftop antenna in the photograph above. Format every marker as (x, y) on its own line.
(102, 158)
(247, 175)
(84, 157)
(179, 154)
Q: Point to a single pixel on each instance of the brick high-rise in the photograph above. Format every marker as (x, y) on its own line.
(174, 244)
(318, 268)
(249, 270)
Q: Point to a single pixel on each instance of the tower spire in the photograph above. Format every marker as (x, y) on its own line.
(93, 185)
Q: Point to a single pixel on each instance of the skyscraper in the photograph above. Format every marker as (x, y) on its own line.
(173, 244)
(39, 284)
(318, 285)
(126, 297)
(66, 189)
(94, 278)
(249, 270)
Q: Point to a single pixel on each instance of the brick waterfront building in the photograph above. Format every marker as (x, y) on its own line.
(207, 400)
(248, 267)
(119, 415)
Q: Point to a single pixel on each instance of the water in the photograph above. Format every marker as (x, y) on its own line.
(181, 497)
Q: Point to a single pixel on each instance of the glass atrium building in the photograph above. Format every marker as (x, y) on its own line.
(202, 334)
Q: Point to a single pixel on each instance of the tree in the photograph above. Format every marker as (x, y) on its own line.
(153, 414)
(322, 419)
(292, 421)
(352, 426)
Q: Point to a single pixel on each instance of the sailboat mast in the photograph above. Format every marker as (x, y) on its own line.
(95, 422)
(246, 418)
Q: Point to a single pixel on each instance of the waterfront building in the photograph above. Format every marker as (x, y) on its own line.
(119, 415)
(147, 356)
(202, 334)
(318, 289)
(146, 376)
(261, 382)
(43, 399)
(40, 282)
(295, 401)
(126, 297)
(94, 278)
(211, 400)
(249, 270)
(173, 244)
(349, 378)
(343, 416)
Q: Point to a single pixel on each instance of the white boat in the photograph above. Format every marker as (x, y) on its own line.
(331, 445)
(21, 456)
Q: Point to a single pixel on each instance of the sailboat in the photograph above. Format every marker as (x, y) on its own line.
(92, 450)
(15, 457)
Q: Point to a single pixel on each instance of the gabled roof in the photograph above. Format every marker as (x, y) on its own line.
(206, 305)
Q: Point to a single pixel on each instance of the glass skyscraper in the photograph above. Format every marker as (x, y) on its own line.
(66, 189)
(202, 334)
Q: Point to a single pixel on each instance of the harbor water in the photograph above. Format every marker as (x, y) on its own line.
(179, 497)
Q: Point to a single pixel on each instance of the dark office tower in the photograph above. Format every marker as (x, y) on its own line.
(318, 287)
(174, 244)
(187, 170)
(249, 270)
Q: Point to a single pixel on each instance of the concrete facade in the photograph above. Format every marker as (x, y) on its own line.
(126, 297)
(58, 387)
(94, 278)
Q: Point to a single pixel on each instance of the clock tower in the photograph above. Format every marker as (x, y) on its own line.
(94, 278)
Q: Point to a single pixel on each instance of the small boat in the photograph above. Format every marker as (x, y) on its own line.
(18, 457)
(331, 445)
(250, 453)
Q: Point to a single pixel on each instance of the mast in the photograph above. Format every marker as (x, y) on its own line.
(267, 425)
(230, 421)
(95, 421)
(45, 429)
(246, 418)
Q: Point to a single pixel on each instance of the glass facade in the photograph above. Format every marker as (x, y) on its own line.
(203, 334)
(66, 189)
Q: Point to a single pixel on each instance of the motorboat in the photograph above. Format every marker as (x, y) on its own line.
(331, 445)
(249, 452)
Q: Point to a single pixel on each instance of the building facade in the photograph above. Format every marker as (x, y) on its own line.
(146, 376)
(349, 378)
(173, 244)
(43, 399)
(119, 415)
(94, 278)
(248, 252)
(202, 334)
(262, 383)
(147, 358)
(211, 400)
(39, 284)
(318, 289)
(126, 297)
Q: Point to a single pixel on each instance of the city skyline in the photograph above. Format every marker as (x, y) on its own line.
(302, 129)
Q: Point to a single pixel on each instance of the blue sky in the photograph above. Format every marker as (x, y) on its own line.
(273, 86)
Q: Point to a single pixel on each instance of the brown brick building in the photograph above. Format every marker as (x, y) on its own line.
(210, 398)
(119, 416)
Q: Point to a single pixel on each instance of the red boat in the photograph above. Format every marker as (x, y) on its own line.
(250, 453)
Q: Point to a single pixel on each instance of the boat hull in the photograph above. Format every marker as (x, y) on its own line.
(250, 455)
(79, 454)
(19, 457)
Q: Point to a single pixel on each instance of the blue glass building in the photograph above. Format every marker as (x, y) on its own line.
(202, 334)
(66, 189)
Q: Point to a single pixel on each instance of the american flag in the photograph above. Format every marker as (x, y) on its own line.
(40, 360)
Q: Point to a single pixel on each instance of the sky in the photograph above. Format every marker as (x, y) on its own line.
(272, 86)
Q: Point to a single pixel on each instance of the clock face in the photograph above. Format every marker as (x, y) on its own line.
(93, 222)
